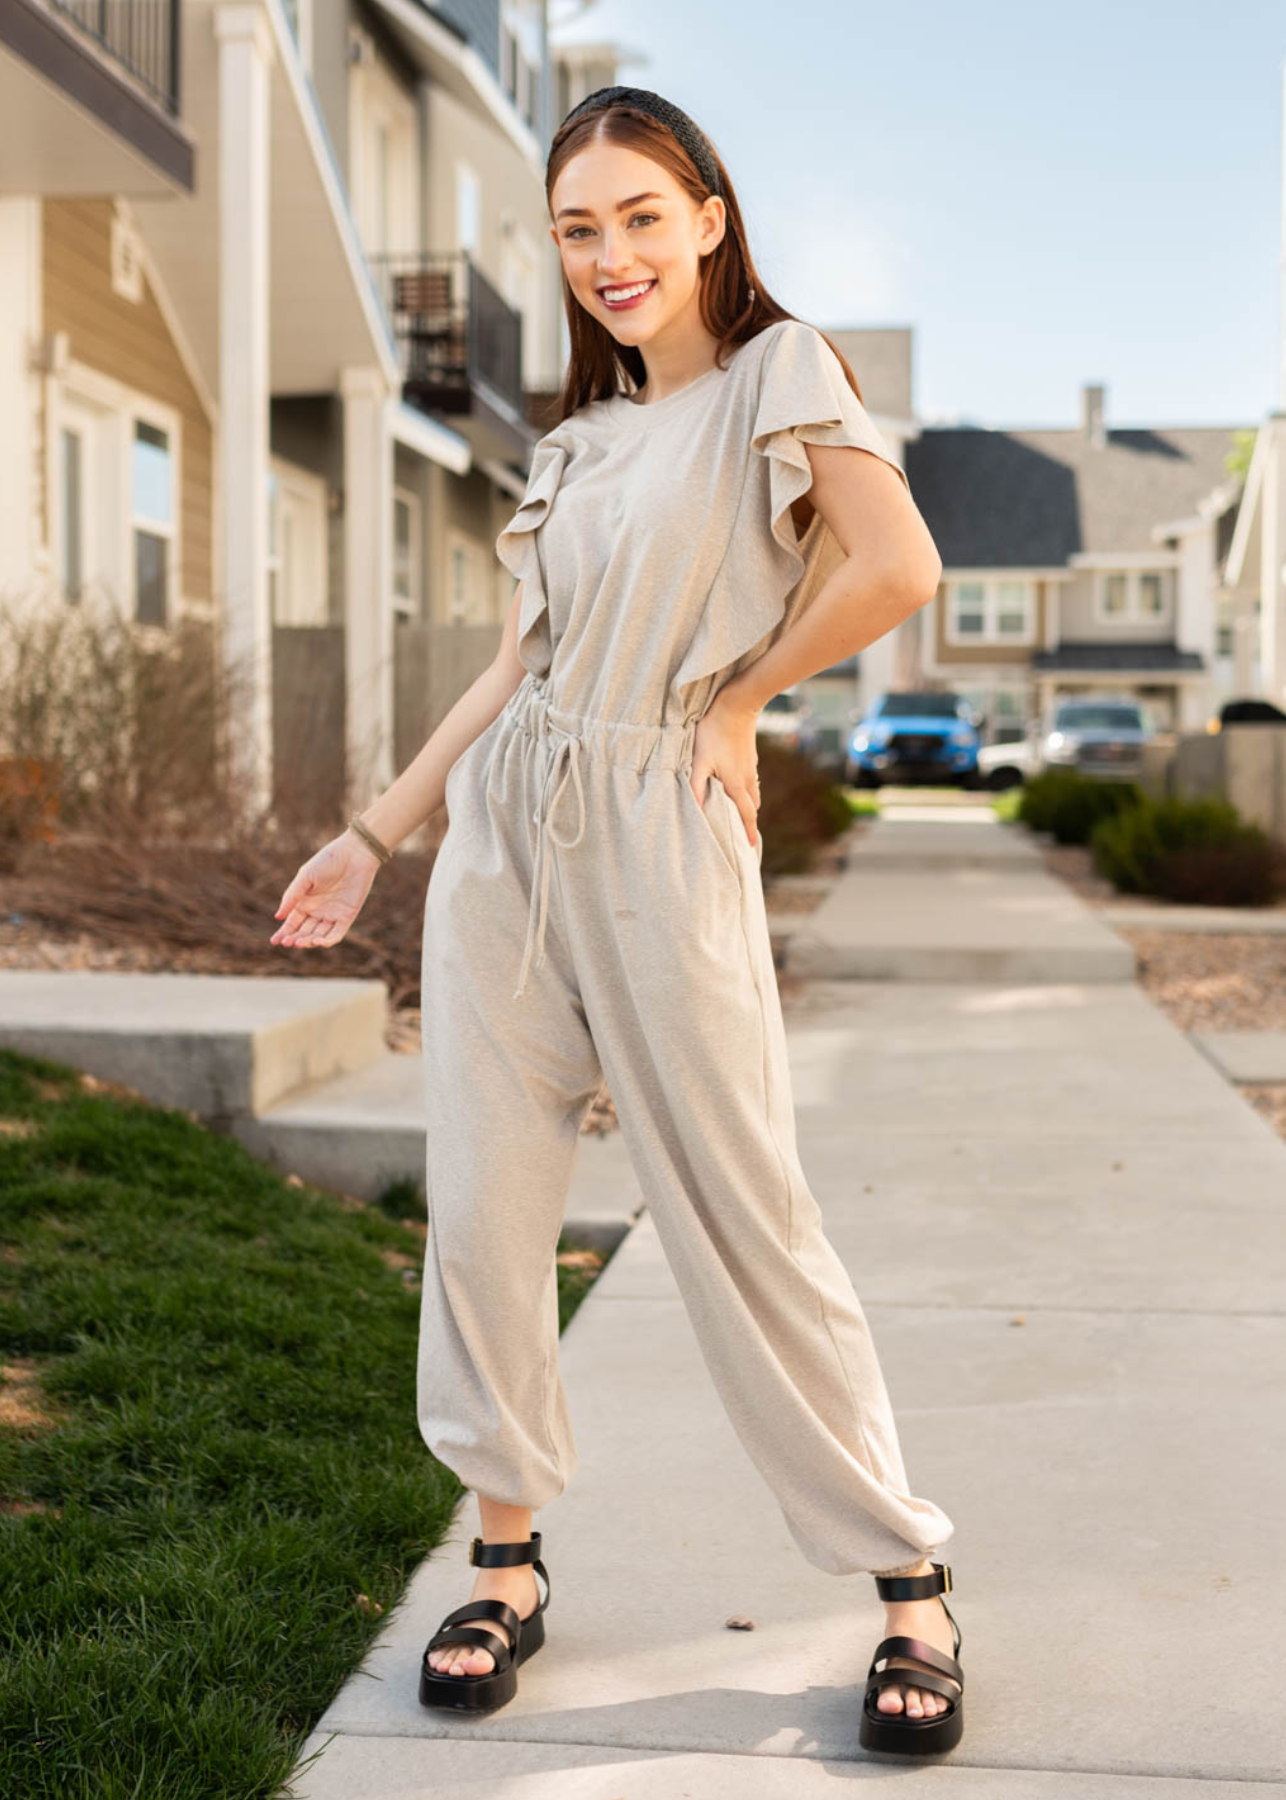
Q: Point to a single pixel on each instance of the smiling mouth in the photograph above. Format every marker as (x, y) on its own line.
(633, 290)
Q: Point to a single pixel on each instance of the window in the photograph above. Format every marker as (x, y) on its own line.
(468, 580)
(1130, 596)
(406, 553)
(152, 520)
(467, 207)
(297, 581)
(991, 610)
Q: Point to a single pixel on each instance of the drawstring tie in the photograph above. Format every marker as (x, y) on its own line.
(569, 748)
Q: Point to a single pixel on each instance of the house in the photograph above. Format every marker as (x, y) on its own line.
(1075, 561)
(274, 282)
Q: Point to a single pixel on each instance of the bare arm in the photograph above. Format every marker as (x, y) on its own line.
(419, 790)
(891, 569)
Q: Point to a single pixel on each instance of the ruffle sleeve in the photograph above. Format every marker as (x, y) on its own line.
(516, 548)
(769, 573)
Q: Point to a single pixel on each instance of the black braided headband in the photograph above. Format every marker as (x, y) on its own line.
(675, 120)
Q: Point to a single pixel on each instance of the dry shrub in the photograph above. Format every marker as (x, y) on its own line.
(141, 822)
(799, 809)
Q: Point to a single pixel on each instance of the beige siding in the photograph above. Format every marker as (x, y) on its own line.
(130, 343)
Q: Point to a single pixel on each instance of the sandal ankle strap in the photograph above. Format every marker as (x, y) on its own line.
(504, 1556)
(915, 1587)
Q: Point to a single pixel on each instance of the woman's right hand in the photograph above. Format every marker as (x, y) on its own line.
(326, 894)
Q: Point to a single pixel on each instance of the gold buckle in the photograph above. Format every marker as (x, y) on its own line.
(946, 1577)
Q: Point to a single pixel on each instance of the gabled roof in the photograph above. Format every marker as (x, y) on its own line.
(1022, 499)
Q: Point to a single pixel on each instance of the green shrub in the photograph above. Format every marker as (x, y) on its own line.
(1070, 805)
(1201, 851)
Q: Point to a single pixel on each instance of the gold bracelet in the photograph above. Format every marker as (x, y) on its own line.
(368, 837)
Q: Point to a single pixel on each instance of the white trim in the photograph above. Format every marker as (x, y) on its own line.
(1124, 559)
(990, 635)
(120, 406)
(307, 488)
(477, 565)
(461, 71)
(428, 438)
(350, 243)
(503, 477)
(1248, 506)
(411, 605)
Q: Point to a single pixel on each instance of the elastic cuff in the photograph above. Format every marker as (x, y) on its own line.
(906, 1567)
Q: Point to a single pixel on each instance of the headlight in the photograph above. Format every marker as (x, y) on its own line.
(861, 741)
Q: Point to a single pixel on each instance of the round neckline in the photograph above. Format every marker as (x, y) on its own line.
(621, 406)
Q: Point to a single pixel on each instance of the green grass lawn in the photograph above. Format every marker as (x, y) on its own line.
(211, 1479)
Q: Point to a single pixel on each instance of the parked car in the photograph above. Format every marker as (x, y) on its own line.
(1102, 738)
(929, 736)
(786, 718)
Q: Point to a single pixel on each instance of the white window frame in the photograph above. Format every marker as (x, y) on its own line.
(309, 491)
(1134, 614)
(161, 419)
(468, 207)
(385, 189)
(465, 552)
(408, 606)
(990, 582)
(82, 396)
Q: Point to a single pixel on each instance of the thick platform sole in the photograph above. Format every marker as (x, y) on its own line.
(899, 1736)
(482, 1693)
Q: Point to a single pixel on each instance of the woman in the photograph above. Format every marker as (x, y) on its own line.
(687, 546)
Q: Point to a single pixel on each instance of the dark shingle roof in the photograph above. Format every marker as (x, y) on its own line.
(1015, 499)
(1126, 658)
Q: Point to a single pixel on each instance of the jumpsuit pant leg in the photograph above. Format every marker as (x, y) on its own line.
(660, 930)
(506, 1088)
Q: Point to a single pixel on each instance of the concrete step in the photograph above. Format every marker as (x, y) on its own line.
(361, 1130)
(218, 1045)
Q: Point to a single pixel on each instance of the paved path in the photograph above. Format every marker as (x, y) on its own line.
(1066, 1227)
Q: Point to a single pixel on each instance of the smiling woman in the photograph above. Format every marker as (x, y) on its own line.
(597, 911)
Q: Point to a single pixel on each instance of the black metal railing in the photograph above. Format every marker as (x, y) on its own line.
(141, 35)
(452, 327)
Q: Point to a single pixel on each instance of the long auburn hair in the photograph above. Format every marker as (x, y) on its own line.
(734, 304)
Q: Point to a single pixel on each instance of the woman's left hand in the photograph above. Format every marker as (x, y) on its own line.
(724, 745)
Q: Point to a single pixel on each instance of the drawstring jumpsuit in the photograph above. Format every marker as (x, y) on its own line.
(587, 919)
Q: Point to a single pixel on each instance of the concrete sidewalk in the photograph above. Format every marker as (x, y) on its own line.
(1067, 1231)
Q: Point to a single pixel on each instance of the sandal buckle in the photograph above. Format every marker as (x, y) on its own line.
(946, 1577)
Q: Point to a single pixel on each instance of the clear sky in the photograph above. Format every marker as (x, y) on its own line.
(1046, 196)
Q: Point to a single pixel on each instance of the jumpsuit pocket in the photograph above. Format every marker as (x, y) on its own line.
(715, 826)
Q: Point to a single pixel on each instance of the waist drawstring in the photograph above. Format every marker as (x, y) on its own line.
(568, 747)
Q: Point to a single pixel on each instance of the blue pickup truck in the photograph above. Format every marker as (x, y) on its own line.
(921, 736)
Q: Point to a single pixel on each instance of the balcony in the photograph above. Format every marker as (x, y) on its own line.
(461, 347)
(90, 98)
(140, 36)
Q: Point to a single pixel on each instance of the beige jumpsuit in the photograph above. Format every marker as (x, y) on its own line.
(587, 920)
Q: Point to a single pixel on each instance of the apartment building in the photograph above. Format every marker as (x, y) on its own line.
(274, 284)
(1085, 560)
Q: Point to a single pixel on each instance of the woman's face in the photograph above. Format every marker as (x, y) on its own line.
(656, 241)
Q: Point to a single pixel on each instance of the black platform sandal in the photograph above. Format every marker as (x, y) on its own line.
(483, 1693)
(897, 1731)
